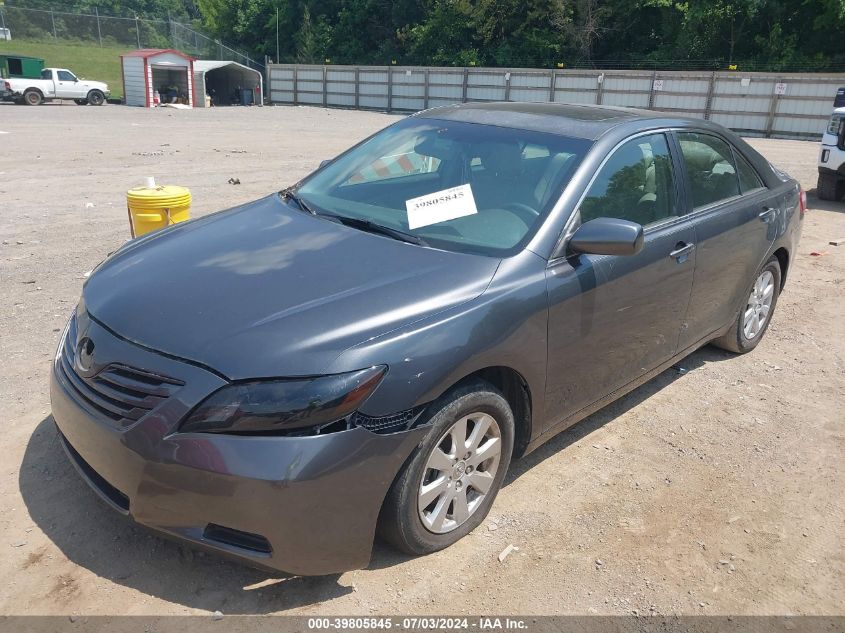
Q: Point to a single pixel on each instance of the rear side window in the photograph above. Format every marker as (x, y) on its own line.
(749, 180)
(635, 184)
(710, 166)
(46, 74)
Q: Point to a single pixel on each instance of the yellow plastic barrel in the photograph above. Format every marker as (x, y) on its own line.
(153, 208)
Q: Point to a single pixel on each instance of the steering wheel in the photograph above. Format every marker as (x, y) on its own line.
(522, 211)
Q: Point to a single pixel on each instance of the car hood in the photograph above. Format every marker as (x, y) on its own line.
(265, 290)
(94, 84)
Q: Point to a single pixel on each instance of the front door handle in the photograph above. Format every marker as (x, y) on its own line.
(682, 251)
(766, 214)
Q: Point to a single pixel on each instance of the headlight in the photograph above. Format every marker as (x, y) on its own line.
(833, 126)
(281, 405)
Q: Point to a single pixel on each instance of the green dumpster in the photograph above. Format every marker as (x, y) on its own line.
(20, 66)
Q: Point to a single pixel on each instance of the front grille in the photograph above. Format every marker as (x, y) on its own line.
(118, 393)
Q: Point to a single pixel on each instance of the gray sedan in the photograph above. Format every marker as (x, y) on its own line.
(368, 349)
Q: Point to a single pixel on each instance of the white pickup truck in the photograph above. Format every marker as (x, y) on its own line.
(55, 83)
(832, 158)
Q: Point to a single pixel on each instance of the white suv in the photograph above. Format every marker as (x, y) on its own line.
(832, 158)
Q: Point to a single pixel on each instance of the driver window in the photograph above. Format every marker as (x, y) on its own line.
(635, 184)
(66, 76)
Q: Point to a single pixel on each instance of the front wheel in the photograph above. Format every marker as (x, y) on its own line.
(81, 101)
(450, 482)
(829, 187)
(96, 98)
(755, 316)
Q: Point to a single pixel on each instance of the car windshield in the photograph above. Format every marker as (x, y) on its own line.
(452, 185)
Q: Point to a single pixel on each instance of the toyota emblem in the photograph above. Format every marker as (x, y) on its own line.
(84, 354)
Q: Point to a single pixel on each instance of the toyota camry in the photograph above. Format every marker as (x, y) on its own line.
(365, 351)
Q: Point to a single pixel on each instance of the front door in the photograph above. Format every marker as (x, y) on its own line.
(614, 318)
(66, 85)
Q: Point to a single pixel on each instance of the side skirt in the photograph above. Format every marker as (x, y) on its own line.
(621, 391)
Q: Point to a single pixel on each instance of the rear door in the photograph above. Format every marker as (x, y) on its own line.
(614, 318)
(734, 216)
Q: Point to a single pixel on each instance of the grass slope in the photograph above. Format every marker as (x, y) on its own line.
(85, 60)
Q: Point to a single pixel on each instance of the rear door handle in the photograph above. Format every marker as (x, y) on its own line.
(682, 251)
(766, 214)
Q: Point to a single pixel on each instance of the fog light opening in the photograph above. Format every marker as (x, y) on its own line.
(237, 538)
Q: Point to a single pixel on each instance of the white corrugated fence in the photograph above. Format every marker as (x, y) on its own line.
(780, 105)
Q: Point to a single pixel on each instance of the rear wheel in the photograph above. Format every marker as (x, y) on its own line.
(829, 187)
(96, 98)
(33, 98)
(756, 314)
(450, 482)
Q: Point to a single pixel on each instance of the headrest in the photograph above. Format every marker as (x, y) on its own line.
(500, 158)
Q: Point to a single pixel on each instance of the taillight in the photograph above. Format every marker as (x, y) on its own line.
(802, 201)
(8, 86)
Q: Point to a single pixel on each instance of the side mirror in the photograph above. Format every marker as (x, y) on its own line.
(607, 236)
(323, 163)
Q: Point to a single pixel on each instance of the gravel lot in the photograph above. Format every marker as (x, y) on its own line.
(714, 490)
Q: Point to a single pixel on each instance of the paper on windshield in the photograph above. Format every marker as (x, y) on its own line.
(440, 206)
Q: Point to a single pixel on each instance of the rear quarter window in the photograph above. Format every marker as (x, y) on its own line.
(749, 179)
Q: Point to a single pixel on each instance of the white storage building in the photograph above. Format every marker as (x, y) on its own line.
(227, 83)
(148, 71)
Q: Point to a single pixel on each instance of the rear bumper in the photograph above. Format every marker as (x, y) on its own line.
(302, 505)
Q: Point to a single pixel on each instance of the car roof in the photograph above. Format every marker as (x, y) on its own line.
(573, 120)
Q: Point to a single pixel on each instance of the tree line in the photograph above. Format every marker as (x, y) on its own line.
(750, 34)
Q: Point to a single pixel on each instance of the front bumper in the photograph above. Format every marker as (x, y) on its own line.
(832, 160)
(302, 505)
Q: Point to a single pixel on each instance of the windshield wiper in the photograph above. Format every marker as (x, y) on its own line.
(372, 227)
(290, 194)
(357, 223)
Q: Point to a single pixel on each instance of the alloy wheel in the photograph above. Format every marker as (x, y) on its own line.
(759, 305)
(459, 472)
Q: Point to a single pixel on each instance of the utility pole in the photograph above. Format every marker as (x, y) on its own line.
(99, 33)
(53, 20)
(137, 31)
(277, 35)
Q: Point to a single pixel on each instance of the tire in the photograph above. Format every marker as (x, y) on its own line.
(96, 98)
(829, 187)
(33, 97)
(81, 101)
(737, 339)
(402, 519)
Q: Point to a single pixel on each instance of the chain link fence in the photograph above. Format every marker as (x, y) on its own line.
(113, 31)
